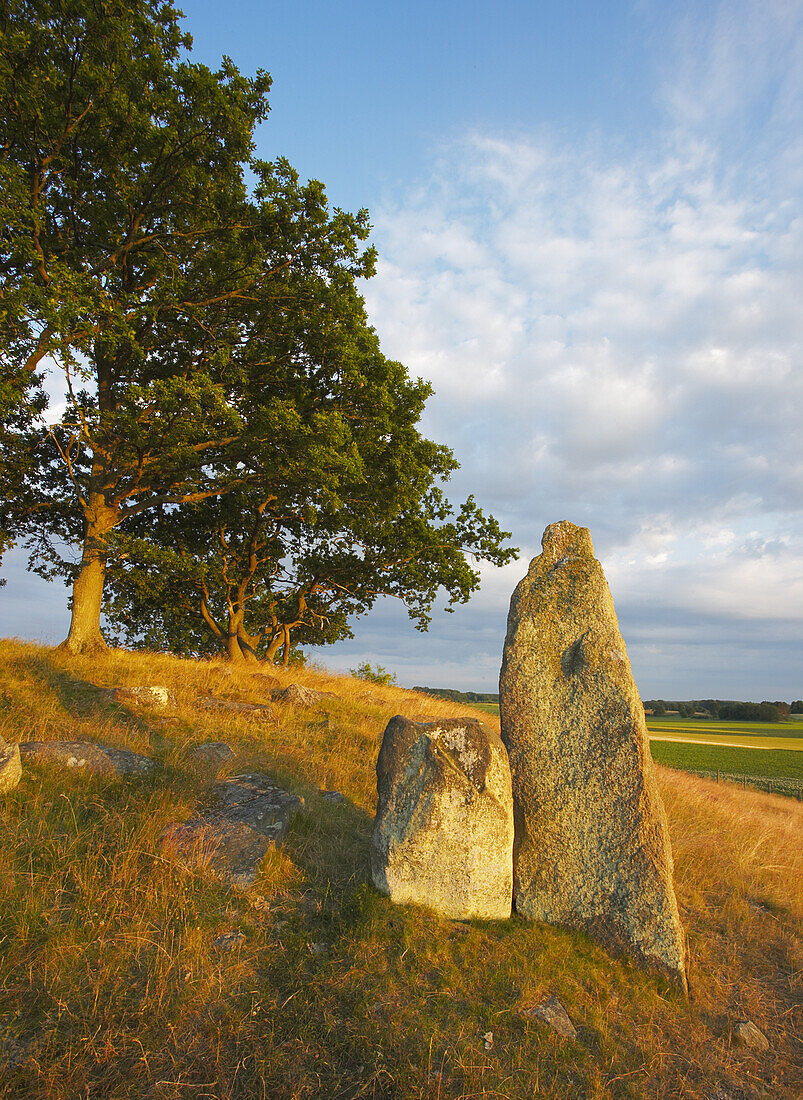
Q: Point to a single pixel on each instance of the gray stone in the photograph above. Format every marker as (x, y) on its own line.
(213, 752)
(592, 843)
(227, 941)
(87, 756)
(146, 695)
(552, 1012)
(443, 832)
(10, 766)
(746, 1034)
(229, 838)
(230, 706)
(334, 797)
(299, 695)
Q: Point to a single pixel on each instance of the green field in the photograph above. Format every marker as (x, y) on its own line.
(764, 750)
(761, 763)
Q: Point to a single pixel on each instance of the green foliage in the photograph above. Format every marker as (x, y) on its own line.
(461, 696)
(234, 439)
(378, 675)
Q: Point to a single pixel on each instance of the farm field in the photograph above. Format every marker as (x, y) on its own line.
(764, 750)
(761, 763)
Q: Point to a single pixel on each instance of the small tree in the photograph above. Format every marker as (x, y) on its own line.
(378, 675)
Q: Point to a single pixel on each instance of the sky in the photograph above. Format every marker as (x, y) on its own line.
(589, 224)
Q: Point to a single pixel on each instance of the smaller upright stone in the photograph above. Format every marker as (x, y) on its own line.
(443, 833)
(10, 766)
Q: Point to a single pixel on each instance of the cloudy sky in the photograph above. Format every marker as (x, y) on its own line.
(589, 222)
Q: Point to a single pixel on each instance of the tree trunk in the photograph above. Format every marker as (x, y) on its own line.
(234, 650)
(87, 593)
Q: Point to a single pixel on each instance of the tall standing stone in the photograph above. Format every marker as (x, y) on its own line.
(592, 844)
(443, 834)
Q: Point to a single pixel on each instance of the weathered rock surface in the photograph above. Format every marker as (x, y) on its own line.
(443, 833)
(592, 845)
(87, 756)
(552, 1012)
(299, 695)
(146, 695)
(10, 766)
(231, 706)
(746, 1034)
(213, 752)
(230, 838)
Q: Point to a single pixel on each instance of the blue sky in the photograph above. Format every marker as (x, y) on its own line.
(589, 224)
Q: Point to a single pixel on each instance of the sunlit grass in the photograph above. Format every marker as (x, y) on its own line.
(112, 985)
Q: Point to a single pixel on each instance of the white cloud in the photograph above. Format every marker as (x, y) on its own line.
(616, 342)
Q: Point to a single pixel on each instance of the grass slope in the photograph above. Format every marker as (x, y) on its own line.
(112, 984)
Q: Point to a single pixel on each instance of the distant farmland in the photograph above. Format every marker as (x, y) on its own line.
(759, 750)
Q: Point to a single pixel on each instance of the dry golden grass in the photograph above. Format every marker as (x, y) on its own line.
(112, 984)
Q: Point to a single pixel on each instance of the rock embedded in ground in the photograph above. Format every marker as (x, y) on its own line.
(10, 766)
(231, 706)
(746, 1034)
(335, 797)
(229, 838)
(299, 695)
(87, 756)
(592, 844)
(146, 695)
(443, 832)
(213, 752)
(552, 1012)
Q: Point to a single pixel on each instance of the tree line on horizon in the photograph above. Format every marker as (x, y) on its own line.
(238, 468)
(723, 709)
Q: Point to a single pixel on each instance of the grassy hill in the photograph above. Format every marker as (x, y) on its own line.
(115, 982)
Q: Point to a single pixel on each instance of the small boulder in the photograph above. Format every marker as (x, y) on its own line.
(746, 1034)
(146, 695)
(335, 797)
(231, 706)
(87, 756)
(443, 833)
(10, 766)
(213, 752)
(592, 843)
(552, 1012)
(229, 838)
(300, 696)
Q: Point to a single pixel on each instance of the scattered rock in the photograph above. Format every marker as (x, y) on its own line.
(333, 796)
(592, 844)
(318, 948)
(10, 766)
(227, 941)
(443, 833)
(488, 1040)
(229, 706)
(746, 1034)
(150, 696)
(265, 680)
(213, 752)
(299, 695)
(16, 1052)
(87, 756)
(552, 1012)
(230, 838)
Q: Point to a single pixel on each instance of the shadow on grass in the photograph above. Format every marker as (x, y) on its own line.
(81, 698)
